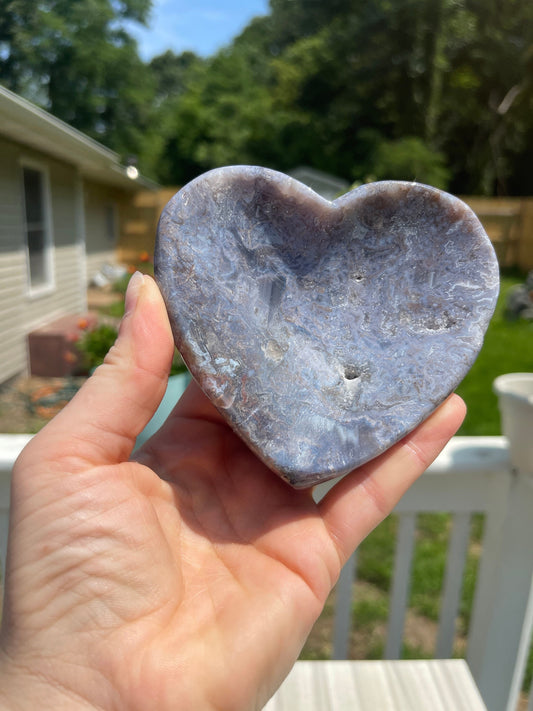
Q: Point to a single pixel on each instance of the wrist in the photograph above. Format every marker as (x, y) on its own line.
(24, 689)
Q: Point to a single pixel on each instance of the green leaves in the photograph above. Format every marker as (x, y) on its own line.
(75, 58)
(410, 158)
(436, 90)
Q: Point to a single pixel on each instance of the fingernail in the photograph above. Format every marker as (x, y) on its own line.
(132, 292)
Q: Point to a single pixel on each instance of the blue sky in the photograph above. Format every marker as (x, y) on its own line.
(199, 25)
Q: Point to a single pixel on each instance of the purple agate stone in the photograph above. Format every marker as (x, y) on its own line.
(324, 332)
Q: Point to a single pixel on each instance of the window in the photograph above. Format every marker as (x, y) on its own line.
(38, 237)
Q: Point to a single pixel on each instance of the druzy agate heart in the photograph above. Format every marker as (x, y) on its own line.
(323, 331)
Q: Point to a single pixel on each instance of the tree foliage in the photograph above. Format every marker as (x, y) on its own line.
(75, 58)
(409, 158)
(437, 90)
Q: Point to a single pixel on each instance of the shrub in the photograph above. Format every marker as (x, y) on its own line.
(95, 344)
(410, 158)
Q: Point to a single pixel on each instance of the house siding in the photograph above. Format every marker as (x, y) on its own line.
(101, 242)
(20, 312)
(12, 264)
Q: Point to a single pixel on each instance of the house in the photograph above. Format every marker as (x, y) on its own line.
(61, 197)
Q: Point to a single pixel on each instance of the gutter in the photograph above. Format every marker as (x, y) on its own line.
(28, 124)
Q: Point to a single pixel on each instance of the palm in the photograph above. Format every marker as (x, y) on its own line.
(251, 563)
(224, 566)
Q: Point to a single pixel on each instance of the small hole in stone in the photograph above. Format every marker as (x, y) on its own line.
(350, 372)
(359, 277)
(450, 320)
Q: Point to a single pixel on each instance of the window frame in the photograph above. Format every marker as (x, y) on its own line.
(48, 284)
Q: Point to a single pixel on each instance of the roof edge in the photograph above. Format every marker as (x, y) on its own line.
(25, 122)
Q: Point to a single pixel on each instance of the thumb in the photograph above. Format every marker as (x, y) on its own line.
(101, 423)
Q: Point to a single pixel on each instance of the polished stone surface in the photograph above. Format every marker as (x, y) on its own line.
(323, 331)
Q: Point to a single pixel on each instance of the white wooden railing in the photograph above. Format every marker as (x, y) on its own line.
(473, 474)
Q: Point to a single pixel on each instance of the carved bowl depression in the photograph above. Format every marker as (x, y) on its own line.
(324, 332)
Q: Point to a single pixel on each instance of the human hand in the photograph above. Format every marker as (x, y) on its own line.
(189, 577)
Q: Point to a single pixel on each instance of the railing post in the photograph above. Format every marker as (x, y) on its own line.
(453, 581)
(401, 582)
(10, 447)
(501, 606)
(343, 609)
(5, 480)
(502, 620)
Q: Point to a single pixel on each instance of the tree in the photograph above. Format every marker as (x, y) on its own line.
(409, 158)
(488, 124)
(454, 74)
(75, 58)
(328, 84)
(170, 73)
(223, 116)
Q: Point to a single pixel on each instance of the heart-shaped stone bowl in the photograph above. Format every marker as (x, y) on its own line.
(323, 331)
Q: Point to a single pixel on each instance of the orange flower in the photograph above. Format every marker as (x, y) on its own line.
(144, 257)
(70, 357)
(83, 323)
(132, 269)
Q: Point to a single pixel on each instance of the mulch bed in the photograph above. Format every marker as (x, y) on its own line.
(28, 403)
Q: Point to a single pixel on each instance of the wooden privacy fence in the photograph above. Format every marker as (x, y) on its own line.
(473, 474)
(508, 222)
(138, 223)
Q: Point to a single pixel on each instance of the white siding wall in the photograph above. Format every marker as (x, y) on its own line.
(101, 203)
(20, 313)
(12, 264)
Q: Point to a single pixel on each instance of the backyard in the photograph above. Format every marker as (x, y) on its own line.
(106, 107)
